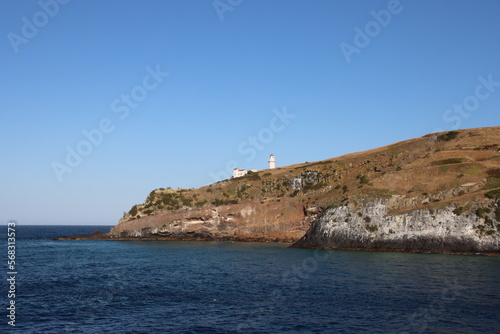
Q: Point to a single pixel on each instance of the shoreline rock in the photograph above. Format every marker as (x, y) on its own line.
(370, 226)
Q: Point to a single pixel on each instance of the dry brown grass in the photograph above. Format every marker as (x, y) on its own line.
(416, 167)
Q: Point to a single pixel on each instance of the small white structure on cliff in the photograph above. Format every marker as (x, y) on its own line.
(242, 172)
(272, 162)
(239, 172)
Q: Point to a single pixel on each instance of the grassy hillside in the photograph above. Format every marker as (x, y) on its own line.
(459, 167)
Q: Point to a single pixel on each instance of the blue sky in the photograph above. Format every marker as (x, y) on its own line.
(154, 94)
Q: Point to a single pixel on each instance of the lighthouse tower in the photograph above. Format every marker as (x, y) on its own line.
(272, 162)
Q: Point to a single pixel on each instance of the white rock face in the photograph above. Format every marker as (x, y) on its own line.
(368, 225)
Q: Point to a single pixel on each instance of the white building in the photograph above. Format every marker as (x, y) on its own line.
(272, 162)
(242, 172)
(239, 172)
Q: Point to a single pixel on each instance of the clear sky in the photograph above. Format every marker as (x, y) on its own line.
(104, 101)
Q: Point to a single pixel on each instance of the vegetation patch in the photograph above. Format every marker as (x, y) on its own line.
(472, 170)
(458, 211)
(371, 228)
(200, 203)
(312, 186)
(325, 162)
(482, 211)
(489, 221)
(219, 202)
(242, 190)
(363, 179)
(494, 194)
(492, 183)
(444, 168)
(448, 136)
(186, 201)
(448, 161)
(170, 200)
(494, 173)
(395, 151)
(133, 211)
(340, 163)
(252, 176)
(383, 193)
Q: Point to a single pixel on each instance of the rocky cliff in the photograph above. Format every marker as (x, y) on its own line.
(439, 193)
(370, 225)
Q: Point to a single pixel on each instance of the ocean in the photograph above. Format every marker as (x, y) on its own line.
(237, 287)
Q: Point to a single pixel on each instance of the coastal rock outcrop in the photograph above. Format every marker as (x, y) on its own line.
(370, 225)
(250, 221)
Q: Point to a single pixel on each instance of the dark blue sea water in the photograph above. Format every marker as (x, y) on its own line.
(226, 287)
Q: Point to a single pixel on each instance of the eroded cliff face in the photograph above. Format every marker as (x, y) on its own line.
(276, 220)
(369, 224)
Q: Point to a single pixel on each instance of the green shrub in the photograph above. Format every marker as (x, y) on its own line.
(170, 200)
(151, 197)
(444, 168)
(312, 186)
(492, 183)
(458, 211)
(340, 163)
(489, 221)
(219, 202)
(242, 190)
(448, 136)
(472, 170)
(253, 176)
(187, 201)
(200, 203)
(133, 211)
(494, 194)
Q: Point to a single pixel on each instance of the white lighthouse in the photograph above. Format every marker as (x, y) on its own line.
(272, 161)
